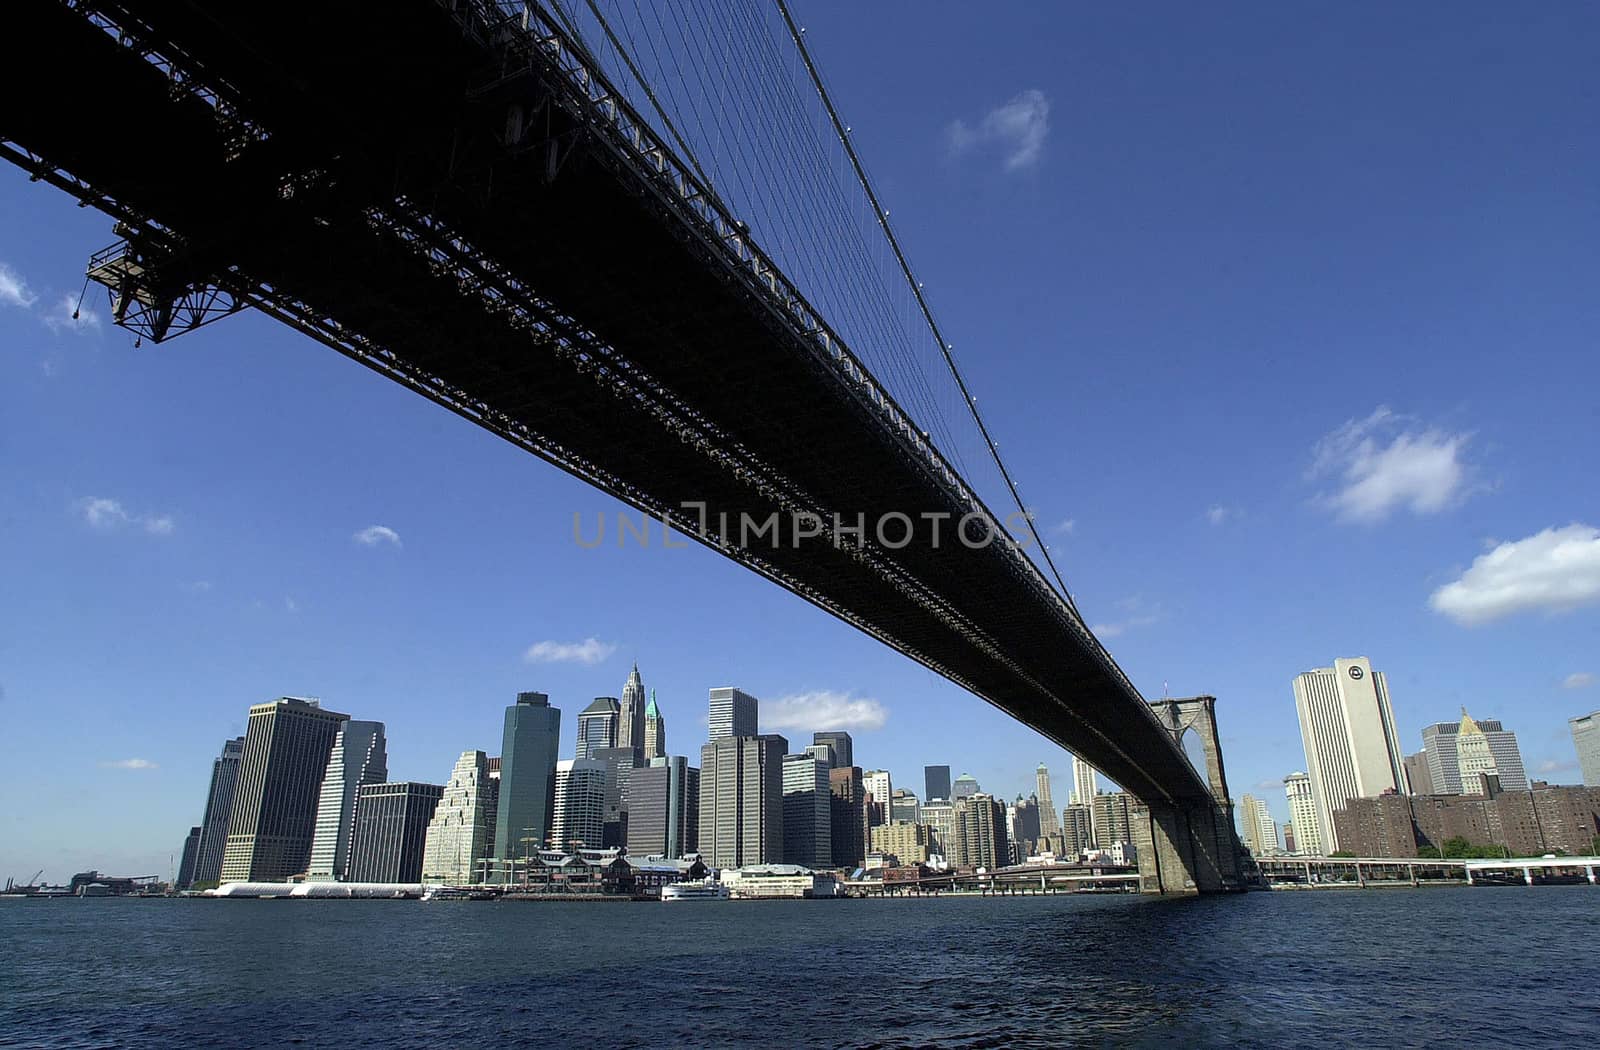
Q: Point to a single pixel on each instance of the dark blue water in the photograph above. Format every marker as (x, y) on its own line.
(1485, 966)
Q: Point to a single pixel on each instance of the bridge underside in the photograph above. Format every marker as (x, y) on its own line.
(437, 194)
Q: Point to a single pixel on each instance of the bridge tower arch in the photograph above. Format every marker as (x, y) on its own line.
(1189, 845)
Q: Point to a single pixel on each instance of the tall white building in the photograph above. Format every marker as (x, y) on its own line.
(1260, 831)
(940, 816)
(1352, 748)
(1084, 786)
(1586, 740)
(879, 785)
(580, 804)
(1048, 824)
(733, 713)
(461, 832)
(1303, 814)
(359, 756)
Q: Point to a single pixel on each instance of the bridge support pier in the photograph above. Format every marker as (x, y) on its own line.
(1186, 850)
(1190, 846)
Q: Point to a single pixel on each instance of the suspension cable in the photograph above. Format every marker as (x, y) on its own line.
(796, 34)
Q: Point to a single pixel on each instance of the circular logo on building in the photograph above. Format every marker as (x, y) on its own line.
(1356, 673)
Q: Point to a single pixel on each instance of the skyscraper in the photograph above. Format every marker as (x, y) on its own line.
(580, 804)
(597, 726)
(664, 809)
(981, 832)
(1303, 813)
(286, 746)
(619, 767)
(741, 800)
(1047, 807)
(880, 787)
(807, 812)
(965, 786)
(191, 851)
(1417, 776)
(631, 715)
(391, 831)
(461, 833)
(219, 807)
(935, 783)
(905, 807)
(1084, 786)
(1490, 747)
(733, 713)
(1077, 830)
(655, 732)
(527, 774)
(940, 816)
(1024, 822)
(1586, 739)
(843, 747)
(847, 810)
(822, 753)
(1260, 831)
(1112, 819)
(1347, 726)
(359, 756)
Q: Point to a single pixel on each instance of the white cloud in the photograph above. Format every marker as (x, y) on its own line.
(1384, 463)
(109, 514)
(1216, 514)
(103, 513)
(129, 763)
(1064, 527)
(822, 710)
(198, 586)
(1552, 571)
(290, 605)
(1137, 613)
(1556, 765)
(373, 535)
(1017, 128)
(1578, 680)
(69, 316)
(14, 290)
(588, 651)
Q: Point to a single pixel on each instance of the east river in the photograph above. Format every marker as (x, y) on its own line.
(1511, 966)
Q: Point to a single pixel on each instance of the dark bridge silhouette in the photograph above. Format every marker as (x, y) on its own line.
(452, 194)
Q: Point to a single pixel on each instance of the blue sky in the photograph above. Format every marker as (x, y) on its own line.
(1286, 320)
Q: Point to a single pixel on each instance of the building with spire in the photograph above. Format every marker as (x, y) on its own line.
(597, 726)
(1491, 748)
(655, 731)
(630, 716)
(1048, 825)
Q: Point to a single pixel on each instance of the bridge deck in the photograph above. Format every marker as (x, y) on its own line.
(553, 285)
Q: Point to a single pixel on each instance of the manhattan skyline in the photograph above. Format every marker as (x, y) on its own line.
(247, 516)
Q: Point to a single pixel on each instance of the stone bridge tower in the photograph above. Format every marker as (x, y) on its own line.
(1190, 848)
